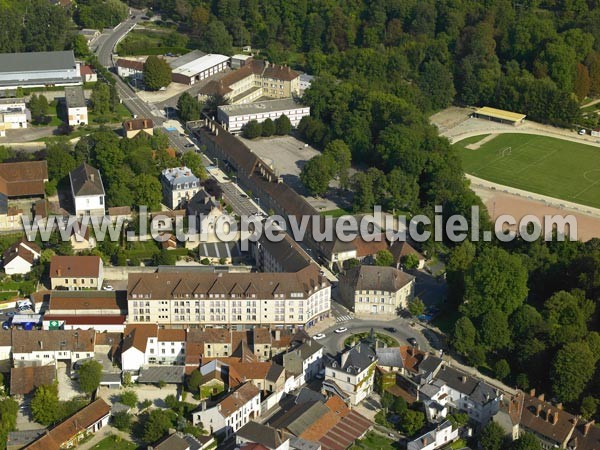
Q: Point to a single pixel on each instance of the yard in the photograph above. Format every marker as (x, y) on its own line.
(152, 42)
(114, 442)
(375, 441)
(387, 340)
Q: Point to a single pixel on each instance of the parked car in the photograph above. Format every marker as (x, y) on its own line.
(108, 287)
(581, 132)
(390, 329)
(341, 330)
(412, 341)
(319, 336)
(6, 325)
(188, 145)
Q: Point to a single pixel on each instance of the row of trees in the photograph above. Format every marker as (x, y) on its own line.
(280, 127)
(529, 313)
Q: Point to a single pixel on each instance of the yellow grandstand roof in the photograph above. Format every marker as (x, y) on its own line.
(501, 114)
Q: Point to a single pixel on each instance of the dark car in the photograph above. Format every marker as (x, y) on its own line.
(188, 145)
(412, 341)
(390, 329)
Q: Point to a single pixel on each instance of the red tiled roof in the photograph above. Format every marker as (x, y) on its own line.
(24, 380)
(129, 64)
(87, 320)
(75, 266)
(87, 70)
(346, 431)
(23, 178)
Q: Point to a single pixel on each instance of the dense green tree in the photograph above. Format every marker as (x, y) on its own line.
(566, 315)
(436, 82)
(157, 73)
(572, 369)
(8, 417)
(416, 307)
(90, 374)
(45, 406)
(189, 108)
(147, 191)
(463, 338)
(410, 261)
(317, 173)
(194, 162)
(122, 421)
(589, 406)
(99, 14)
(217, 39)
(477, 356)
(494, 330)
(165, 258)
(156, 425)
(340, 154)
(268, 128)
(384, 258)
(526, 441)
(412, 422)
(582, 82)
(194, 381)
(60, 160)
(501, 369)
(497, 280)
(128, 398)
(283, 126)
(252, 130)
(492, 436)
(80, 46)
(100, 98)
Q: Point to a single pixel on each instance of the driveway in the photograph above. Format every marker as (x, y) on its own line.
(154, 394)
(24, 420)
(67, 388)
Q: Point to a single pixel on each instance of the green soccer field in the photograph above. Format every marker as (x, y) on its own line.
(548, 166)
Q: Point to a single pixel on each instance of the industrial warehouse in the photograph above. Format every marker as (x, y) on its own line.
(38, 69)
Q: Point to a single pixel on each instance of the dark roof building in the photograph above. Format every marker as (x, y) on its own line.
(86, 180)
(23, 179)
(38, 69)
(74, 97)
(24, 380)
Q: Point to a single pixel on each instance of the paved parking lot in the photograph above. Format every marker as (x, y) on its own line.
(67, 388)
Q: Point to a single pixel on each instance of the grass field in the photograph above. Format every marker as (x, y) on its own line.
(562, 169)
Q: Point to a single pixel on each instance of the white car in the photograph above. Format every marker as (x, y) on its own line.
(108, 287)
(581, 132)
(341, 330)
(319, 336)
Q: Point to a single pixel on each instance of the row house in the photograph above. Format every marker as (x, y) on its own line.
(182, 300)
(45, 347)
(304, 361)
(148, 344)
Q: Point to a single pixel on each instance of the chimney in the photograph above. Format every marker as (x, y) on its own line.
(532, 392)
(548, 412)
(145, 123)
(538, 410)
(41, 345)
(204, 405)
(559, 406)
(91, 177)
(555, 418)
(59, 271)
(277, 335)
(587, 426)
(541, 397)
(464, 378)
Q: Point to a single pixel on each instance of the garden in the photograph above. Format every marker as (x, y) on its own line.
(369, 336)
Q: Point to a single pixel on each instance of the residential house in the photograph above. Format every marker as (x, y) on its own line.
(87, 191)
(179, 185)
(90, 36)
(239, 60)
(76, 272)
(13, 114)
(77, 113)
(18, 259)
(149, 345)
(80, 425)
(182, 299)
(206, 210)
(351, 375)
(88, 74)
(283, 256)
(128, 68)
(133, 127)
(42, 347)
(180, 441)
(21, 180)
(235, 117)
(376, 290)
(451, 389)
(304, 361)
(443, 435)
(256, 433)
(231, 413)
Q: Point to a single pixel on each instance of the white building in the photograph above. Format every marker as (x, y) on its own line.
(20, 257)
(44, 347)
(230, 414)
(87, 190)
(38, 69)
(305, 81)
(77, 113)
(145, 345)
(179, 185)
(352, 375)
(128, 68)
(197, 66)
(13, 115)
(304, 361)
(376, 290)
(76, 272)
(239, 60)
(234, 117)
(443, 435)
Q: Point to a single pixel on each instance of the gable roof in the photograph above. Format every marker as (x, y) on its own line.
(138, 124)
(23, 178)
(86, 300)
(300, 417)
(130, 64)
(237, 399)
(53, 340)
(136, 336)
(547, 420)
(86, 180)
(377, 278)
(75, 266)
(24, 380)
(29, 251)
(78, 422)
(260, 434)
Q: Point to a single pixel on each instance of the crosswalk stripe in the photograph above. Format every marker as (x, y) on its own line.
(343, 318)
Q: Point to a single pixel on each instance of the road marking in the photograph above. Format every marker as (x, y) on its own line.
(343, 318)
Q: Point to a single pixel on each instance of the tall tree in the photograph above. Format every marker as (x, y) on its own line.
(217, 39)
(572, 369)
(157, 73)
(90, 374)
(463, 338)
(45, 404)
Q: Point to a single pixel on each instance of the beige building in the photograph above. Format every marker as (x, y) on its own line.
(193, 299)
(253, 80)
(77, 112)
(76, 272)
(133, 127)
(376, 290)
(179, 185)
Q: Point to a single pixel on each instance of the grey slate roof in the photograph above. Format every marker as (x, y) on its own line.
(36, 61)
(302, 444)
(308, 348)
(308, 395)
(389, 357)
(355, 360)
(74, 97)
(274, 372)
(377, 278)
(260, 434)
(168, 374)
(301, 416)
(187, 58)
(429, 364)
(86, 180)
(477, 390)
(24, 438)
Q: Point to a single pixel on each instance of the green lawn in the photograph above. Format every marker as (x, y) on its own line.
(388, 340)
(548, 166)
(111, 443)
(375, 441)
(336, 213)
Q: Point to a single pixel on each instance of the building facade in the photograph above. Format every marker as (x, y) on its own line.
(235, 299)
(76, 272)
(179, 185)
(197, 66)
(20, 257)
(353, 372)
(43, 347)
(87, 191)
(13, 115)
(77, 113)
(376, 290)
(234, 117)
(38, 69)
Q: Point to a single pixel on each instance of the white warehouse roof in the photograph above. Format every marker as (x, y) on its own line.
(201, 64)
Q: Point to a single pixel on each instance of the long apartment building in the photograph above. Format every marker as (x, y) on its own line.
(240, 300)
